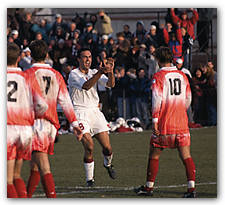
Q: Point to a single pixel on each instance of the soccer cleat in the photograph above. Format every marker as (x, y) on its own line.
(90, 183)
(111, 171)
(190, 194)
(144, 191)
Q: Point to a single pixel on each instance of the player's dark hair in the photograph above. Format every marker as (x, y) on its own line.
(164, 55)
(39, 50)
(13, 52)
(82, 50)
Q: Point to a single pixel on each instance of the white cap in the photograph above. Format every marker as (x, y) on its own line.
(105, 37)
(14, 32)
(179, 61)
(26, 49)
(153, 27)
(58, 16)
(142, 45)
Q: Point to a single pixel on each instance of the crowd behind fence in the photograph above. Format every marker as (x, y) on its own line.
(133, 52)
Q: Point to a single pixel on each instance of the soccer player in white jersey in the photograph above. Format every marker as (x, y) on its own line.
(24, 102)
(171, 97)
(83, 91)
(55, 91)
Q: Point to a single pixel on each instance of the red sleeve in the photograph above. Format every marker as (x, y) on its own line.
(65, 101)
(179, 36)
(195, 17)
(166, 36)
(175, 18)
(157, 92)
(188, 93)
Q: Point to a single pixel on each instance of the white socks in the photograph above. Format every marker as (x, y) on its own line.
(89, 170)
(108, 160)
(191, 184)
(149, 184)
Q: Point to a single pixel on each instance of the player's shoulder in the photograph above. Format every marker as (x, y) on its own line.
(159, 74)
(43, 67)
(16, 71)
(75, 70)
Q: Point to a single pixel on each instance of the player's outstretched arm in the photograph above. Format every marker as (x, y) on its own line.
(91, 82)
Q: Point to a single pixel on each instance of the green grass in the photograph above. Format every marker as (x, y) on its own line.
(130, 160)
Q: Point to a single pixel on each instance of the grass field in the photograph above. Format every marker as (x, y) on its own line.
(130, 161)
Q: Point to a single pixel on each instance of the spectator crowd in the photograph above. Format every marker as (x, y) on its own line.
(133, 52)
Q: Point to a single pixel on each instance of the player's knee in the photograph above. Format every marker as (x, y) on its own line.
(89, 149)
(45, 170)
(16, 175)
(107, 150)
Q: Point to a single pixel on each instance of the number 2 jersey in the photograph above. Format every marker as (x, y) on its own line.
(171, 96)
(24, 98)
(54, 91)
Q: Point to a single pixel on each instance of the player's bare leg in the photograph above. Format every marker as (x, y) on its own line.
(18, 181)
(88, 145)
(41, 160)
(104, 141)
(11, 190)
(185, 155)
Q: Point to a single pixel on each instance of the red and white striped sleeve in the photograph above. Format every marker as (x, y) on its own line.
(65, 102)
(157, 96)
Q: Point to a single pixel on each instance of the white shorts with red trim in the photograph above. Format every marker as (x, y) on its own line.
(92, 121)
(44, 138)
(19, 142)
(171, 141)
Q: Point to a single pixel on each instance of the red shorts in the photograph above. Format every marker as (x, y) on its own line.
(171, 141)
(44, 138)
(19, 140)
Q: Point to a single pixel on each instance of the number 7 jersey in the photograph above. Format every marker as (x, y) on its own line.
(54, 91)
(171, 96)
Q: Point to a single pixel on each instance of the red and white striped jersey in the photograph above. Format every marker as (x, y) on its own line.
(54, 90)
(24, 98)
(171, 96)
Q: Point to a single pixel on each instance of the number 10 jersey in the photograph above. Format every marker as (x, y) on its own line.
(171, 96)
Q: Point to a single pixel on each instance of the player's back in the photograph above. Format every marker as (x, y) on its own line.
(20, 107)
(54, 90)
(174, 90)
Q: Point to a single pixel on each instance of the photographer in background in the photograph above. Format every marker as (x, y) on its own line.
(103, 24)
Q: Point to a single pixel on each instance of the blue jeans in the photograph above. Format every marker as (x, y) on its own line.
(142, 109)
(123, 107)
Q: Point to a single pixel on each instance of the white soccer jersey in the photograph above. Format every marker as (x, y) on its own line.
(84, 98)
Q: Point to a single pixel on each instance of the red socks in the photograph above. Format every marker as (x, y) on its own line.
(47, 182)
(32, 182)
(20, 188)
(49, 185)
(190, 169)
(153, 166)
(11, 191)
(190, 172)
